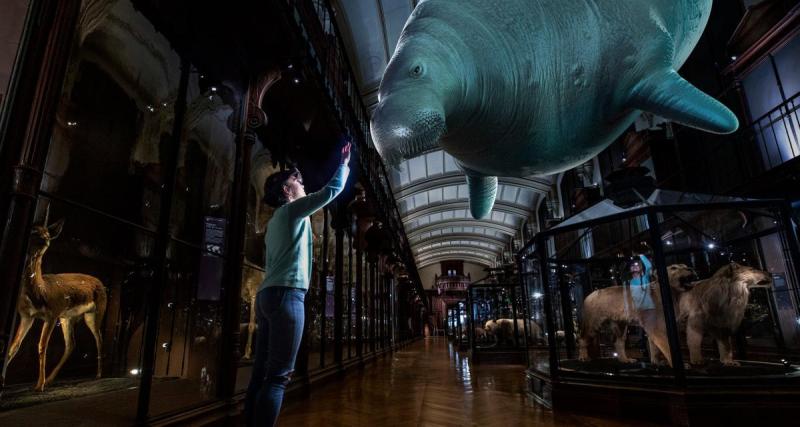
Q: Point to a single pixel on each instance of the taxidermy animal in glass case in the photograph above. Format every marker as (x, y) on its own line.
(501, 331)
(613, 306)
(717, 306)
(252, 277)
(64, 298)
(536, 87)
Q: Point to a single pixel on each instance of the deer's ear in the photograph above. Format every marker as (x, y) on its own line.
(56, 228)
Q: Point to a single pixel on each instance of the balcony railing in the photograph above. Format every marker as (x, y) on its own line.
(317, 24)
(777, 133)
(452, 282)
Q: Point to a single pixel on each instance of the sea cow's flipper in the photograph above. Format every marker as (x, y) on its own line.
(670, 96)
(482, 192)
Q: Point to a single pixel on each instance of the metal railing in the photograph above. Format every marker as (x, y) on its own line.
(777, 133)
(317, 24)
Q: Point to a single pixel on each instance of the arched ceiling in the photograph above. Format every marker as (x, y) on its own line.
(430, 189)
(371, 29)
(432, 199)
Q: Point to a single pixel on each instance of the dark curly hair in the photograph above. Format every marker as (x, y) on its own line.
(273, 187)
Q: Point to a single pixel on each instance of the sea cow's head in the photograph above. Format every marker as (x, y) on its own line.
(423, 87)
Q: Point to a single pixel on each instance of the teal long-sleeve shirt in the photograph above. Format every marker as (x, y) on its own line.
(288, 239)
(640, 286)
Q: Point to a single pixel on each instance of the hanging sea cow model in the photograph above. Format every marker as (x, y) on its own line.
(534, 87)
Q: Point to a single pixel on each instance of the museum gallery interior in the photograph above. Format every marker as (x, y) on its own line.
(557, 212)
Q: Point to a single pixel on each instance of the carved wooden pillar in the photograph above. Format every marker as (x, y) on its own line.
(359, 296)
(250, 108)
(349, 296)
(373, 267)
(323, 288)
(362, 216)
(339, 223)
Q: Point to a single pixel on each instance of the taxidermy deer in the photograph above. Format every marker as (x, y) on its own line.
(251, 280)
(64, 298)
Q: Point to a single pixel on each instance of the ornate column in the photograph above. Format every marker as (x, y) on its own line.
(339, 222)
(362, 216)
(256, 118)
(323, 293)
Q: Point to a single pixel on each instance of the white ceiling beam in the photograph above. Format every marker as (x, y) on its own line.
(499, 206)
(538, 185)
(462, 223)
(459, 249)
(460, 236)
(462, 257)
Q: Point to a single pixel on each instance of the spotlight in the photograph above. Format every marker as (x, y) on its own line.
(296, 80)
(733, 58)
(711, 246)
(135, 371)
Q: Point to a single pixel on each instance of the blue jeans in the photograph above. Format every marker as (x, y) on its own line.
(280, 314)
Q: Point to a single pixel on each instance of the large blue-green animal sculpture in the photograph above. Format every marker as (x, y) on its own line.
(533, 87)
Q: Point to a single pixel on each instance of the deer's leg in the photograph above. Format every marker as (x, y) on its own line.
(67, 326)
(44, 340)
(25, 323)
(91, 322)
(251, 329)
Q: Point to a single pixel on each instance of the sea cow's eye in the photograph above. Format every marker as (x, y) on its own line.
(417, 71)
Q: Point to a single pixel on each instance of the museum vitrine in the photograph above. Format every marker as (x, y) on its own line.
(727, 312)
(456, 325)
(498, 327)
(145, 235)
(136, 191)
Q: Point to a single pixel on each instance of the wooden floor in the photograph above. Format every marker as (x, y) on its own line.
(428, 384)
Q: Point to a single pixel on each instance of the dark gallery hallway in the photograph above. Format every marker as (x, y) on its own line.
(429, 383)
(519, 212)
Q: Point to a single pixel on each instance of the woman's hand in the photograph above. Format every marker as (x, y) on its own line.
(346, 153)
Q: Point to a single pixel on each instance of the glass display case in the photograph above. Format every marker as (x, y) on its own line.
(137, 138)
(457, 325)
(498, 326)
(132, 220)
(726, 315)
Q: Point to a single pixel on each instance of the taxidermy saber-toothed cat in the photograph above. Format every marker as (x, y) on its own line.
(533, 87)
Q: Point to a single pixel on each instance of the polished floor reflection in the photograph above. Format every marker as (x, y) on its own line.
(428, 384)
